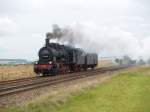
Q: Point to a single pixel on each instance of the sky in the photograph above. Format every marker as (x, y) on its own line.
(109, 27)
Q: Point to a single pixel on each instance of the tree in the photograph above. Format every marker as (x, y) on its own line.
(119, 61)
(148, 61)
(141, 62)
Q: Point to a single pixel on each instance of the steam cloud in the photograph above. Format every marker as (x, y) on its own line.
(104, 40)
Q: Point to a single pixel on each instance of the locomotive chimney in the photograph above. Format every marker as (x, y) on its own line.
(46, 41)
(48, 37)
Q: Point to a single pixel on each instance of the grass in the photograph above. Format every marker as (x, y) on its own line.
(14, 72)
(127, 92)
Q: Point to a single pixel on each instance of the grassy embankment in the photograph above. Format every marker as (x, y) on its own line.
(127, 92)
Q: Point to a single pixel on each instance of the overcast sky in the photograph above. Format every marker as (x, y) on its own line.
(125, 23)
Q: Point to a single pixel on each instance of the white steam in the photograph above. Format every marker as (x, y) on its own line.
(104, 40)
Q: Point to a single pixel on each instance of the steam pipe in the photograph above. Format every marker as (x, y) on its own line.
(47, 42)
(48, 37)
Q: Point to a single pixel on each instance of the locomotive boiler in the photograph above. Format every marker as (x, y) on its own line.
(55, 58)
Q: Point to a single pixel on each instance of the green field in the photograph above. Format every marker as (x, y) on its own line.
(127, 92)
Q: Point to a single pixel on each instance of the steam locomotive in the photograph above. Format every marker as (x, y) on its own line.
(57, 59)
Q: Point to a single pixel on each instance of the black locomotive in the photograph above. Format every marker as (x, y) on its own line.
(59, 59)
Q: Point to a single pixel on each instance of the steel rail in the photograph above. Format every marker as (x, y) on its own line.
(54, 80)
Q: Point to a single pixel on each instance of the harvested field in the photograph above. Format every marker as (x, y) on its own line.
(105, 63)
(16, 72)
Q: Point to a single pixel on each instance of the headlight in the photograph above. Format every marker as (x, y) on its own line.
(50, 62)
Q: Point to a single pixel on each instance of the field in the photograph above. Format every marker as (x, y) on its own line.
(15, 72)
(105, 63)
(10, 72)
(127, 91)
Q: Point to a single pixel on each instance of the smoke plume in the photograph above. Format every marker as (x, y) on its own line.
(104, 40)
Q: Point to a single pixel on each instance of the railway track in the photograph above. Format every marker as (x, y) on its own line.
(21, 85)
(16, 80)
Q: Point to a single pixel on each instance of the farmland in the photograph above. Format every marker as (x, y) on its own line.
(127, 91)
(9, 72)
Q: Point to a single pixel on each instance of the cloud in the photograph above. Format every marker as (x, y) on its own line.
(114, 27)
(7, 26)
